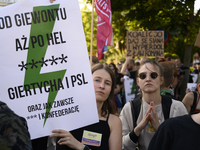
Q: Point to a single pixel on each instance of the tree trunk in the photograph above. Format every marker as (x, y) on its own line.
(186, 63)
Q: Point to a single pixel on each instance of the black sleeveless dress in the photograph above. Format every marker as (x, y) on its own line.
(100, 129)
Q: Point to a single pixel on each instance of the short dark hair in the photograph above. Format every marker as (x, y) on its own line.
(95, 60)
(168, 72)
(137, 63)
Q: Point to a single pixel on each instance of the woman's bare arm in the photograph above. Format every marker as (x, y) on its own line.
(115, 139)
(188, 101)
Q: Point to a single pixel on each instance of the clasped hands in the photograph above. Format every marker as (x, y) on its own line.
(151, 116)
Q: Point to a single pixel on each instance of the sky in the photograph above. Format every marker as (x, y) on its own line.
(197, 5)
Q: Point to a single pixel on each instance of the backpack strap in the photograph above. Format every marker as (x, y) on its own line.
(194, 102)
(135, 109)
(166, 105)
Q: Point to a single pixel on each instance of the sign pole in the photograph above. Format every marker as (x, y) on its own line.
(91, 33)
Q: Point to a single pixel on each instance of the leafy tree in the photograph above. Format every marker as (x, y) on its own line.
(168, 14)
(119, 31)
(86, 19)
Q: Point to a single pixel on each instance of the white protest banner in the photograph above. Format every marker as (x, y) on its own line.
(145, 43)
(45, 71)
(191, 86)
(129, 88)
(194, 77)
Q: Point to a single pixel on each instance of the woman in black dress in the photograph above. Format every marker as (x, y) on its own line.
(109, 128)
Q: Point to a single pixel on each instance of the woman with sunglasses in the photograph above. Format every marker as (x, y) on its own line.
(149, 79)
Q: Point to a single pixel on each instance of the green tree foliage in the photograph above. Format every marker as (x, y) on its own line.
(171, 15)
(119, 30)
(86, 19)
(114, 56)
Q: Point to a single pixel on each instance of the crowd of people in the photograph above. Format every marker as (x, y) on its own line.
(155, 119)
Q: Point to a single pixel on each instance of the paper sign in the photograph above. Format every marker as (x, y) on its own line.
(191, 86)
(129, 88)
(145, 43)
(194, 77)
(45, 72)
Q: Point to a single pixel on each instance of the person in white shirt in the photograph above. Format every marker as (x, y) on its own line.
(149, 79)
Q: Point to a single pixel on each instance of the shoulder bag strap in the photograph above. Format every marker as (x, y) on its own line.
(194, 102)
(166, 105)
(135, 109)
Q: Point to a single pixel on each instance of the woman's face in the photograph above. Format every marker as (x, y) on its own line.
(112, 68)
(102, 84)
(196, 55)
(149, 84)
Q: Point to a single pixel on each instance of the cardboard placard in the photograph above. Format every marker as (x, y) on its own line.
(145, 43)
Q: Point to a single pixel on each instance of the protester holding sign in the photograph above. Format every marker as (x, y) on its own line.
(130, 70)
(41, 79)
(139, 130)
(106, 134)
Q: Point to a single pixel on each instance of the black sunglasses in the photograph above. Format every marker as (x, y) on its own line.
(143, 75)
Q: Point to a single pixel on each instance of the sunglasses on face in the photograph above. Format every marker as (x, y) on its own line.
(143, 75)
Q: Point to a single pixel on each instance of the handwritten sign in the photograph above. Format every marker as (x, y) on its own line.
(145, 43)
(42, 46)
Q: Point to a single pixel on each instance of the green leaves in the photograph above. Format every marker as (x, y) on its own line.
(174, 16)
